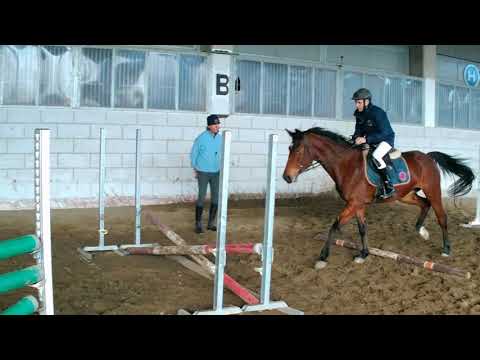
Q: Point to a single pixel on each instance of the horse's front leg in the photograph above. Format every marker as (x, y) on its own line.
(362, 229)
(345, 216)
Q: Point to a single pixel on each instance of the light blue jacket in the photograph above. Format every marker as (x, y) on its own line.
(205, 154)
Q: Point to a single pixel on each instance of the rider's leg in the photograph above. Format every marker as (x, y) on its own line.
(382, 149)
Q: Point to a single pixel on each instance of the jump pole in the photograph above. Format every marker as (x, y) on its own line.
(249, 248)
(429, 265)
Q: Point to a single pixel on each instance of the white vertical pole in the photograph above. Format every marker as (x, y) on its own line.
(138, 198)
(222, 222)
(42, 214)
(101, 191)
(267, 249)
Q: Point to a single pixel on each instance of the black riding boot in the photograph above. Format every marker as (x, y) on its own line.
(211, 217)
(388, 189)
(198, 219)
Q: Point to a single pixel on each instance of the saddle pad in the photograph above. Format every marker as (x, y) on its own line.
(397, 171)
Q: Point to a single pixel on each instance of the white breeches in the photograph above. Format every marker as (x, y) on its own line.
(382, 149)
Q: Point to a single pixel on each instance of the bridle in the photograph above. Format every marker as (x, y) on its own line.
(302, 168)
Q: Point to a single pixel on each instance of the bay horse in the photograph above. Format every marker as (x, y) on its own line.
(346, 166)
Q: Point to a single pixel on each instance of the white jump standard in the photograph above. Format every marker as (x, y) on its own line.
(38, 276)
(267, 246)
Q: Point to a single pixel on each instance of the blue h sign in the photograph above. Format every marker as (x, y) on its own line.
(471, 75)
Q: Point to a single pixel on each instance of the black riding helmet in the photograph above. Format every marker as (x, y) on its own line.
(362, 94)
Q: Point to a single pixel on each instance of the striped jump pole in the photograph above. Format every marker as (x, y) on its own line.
(429, 265)
(249, 248)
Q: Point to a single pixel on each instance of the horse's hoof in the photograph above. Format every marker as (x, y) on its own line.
(424, 233)
(359, 260)
(320, 265)
(445, 254)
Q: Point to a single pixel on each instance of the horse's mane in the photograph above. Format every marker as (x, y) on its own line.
(298, 135)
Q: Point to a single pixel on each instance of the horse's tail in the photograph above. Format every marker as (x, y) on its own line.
(455, 166)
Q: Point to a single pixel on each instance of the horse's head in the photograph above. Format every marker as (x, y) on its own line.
(299, 158)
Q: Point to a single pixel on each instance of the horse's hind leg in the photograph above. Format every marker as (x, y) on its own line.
(413, 199)
(362, 229)
(345, 216)
(435, 198)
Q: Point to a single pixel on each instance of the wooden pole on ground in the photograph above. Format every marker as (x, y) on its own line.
(429, 265)
(249, 248)
(201, 260)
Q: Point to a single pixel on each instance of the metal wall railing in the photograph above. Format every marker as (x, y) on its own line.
(106, 77)
(457, 106)
(294, 89)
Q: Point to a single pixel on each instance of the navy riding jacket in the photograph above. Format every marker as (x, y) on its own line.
(373, 124)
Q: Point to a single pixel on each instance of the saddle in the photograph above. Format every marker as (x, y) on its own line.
(397, 168)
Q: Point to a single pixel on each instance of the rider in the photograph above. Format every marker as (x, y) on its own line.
(373, 127)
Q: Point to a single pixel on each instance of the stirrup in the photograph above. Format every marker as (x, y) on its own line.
(386, 195)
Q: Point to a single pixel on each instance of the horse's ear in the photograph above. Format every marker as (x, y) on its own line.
(297, 131)
(289, 132)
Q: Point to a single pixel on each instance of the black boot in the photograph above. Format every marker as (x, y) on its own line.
(198, 219)
(388, 189)
(211, 217)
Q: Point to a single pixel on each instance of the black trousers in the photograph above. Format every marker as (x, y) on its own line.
(205, 178)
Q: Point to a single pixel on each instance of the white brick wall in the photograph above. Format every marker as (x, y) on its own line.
(251, 135)
(168, 160)
(121, 117)
(61, 145)
(74, 131)
(19, 115)
(111, 160)
(130, 132)
(89, 116)
(128, 160)
(167, 138)
(179, 147)
(121, 146)
(20, 146)
(152, 118)
(168, 133)
(86, 146)
(12, 161)
(59, 116)
(73, 161)
(153, 146)
(12, 131)
(111, 131)
(182, 119)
